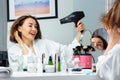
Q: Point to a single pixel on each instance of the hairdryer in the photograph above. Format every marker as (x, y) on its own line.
(73, 17)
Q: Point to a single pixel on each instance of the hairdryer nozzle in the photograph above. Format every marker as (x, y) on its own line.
(73, 17)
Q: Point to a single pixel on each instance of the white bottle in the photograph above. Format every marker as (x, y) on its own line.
(63, 64)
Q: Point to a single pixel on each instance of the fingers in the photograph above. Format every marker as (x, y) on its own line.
(19, 40)
(17, 37)
(79, 23)
(80, 26)
(16, 34)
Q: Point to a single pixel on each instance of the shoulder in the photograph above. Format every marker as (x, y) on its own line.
(116, 49)
(14, 48)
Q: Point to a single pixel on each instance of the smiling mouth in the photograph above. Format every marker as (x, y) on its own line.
(33, 34)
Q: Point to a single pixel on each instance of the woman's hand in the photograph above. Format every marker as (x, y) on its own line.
(80, 28)
(21, 43)
(18, 39)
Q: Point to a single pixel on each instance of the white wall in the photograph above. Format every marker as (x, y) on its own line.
(3, 25)
(52, 29)
(93, 10)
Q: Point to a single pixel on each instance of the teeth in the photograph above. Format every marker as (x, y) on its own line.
(33, 34)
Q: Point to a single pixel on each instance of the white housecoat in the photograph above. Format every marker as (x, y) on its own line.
(108, 67)
(41, 46)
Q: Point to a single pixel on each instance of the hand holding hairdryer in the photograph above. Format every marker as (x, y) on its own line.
(73, 17)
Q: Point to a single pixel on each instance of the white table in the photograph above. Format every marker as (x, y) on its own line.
(85, 75)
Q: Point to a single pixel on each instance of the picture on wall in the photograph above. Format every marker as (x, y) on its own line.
(41, 9)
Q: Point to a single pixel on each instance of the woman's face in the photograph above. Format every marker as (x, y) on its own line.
(97, 43)
(28, 29)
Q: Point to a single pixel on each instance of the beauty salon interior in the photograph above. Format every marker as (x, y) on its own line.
(66, 49)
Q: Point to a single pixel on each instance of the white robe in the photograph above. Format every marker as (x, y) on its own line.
(41, 46)
(108, 67)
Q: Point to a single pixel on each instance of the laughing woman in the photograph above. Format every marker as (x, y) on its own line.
(30, 46)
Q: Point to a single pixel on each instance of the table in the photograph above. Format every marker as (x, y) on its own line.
(84, 75)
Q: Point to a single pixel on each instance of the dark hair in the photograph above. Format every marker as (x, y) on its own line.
(103, 40)
(19, 22)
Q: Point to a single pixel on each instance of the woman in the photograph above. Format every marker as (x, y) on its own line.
(26, 32)
(108, 66)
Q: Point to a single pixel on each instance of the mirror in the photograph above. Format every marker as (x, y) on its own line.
(99, 41)
(86, 37)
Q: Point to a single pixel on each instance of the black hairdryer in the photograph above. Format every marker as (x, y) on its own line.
(73, 17)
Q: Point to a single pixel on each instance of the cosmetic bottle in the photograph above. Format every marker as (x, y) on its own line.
(43, 62)
(50, 62)
(63, 64)
(50, 68)
(59, 64)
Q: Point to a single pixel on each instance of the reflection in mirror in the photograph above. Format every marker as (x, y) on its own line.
(99, 39)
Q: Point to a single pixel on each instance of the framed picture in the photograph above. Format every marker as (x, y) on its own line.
(41, 9)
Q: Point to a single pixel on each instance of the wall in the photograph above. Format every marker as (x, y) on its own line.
(3, 25)
(93, 10)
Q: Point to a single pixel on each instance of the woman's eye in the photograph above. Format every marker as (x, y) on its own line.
(29, 25)
(36, 26)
